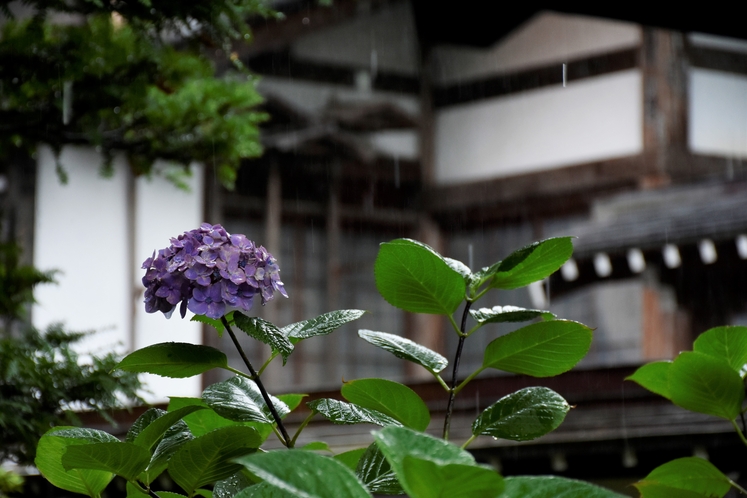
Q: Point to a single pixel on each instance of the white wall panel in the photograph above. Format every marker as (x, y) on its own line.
(80, 230)
(547, 38)
(592, 119)
(162, 212)
(718, 113)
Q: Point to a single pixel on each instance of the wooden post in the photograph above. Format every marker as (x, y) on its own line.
(664, 68)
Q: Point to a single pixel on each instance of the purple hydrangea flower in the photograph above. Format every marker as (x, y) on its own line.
(209, 272)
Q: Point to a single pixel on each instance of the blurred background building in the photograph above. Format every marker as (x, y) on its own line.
(476, 135)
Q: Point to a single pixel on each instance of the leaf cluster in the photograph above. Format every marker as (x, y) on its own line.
(116, 84)
(710, 380)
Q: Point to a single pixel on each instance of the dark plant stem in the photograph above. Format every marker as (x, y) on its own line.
(455, 371)
(286, 438)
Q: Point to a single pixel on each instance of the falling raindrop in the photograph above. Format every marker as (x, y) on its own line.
(67, 102)
(470, 252)
(374, 63)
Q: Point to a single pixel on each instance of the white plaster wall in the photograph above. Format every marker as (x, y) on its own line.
(161, 212)
(718, 113)
(592, 119)
(546, 38)
(382, 40)
(79, 230)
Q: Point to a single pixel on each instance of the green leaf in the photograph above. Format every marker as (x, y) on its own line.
(174, 359)
(87, 435)
(208, 458)
(460, 268)
(541, 349)
(390, 398)
(174, 438)
(690, 474)
(376, 473)
(503, 314)
(265, 332)
(339, 412)
(414, 277)
(239, 399)
(305, 474)
(49, 462)
(231, 486)
(204, 421)
(554, 487)
(725, 343)
(522, 416)
(169, 494)
(264, 490)
(350, 458)
(531, 263)
(142, 422)
(427, 479)
(316, 446)
(134, 491)
(150, 436)
(654, 377)
(405, 349)
(703, 384)
(291, 400)
(398, 443)
(321, 325)
(216, 324)
(124, 459)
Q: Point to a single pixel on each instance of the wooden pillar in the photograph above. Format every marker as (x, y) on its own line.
(664, 68)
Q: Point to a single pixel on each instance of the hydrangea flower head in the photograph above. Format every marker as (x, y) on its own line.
(209, 272)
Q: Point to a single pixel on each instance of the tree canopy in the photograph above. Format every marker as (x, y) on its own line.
(136, 76)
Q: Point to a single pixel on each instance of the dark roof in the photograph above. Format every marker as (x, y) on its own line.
(651, 219)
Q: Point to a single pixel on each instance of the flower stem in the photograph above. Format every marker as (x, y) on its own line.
(286, 438)
(739, 431)
(738, 487)
(455, 371)
(302, 426)
(467, 442)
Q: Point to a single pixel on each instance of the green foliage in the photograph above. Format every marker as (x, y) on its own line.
(707, 380)
(522, 416)
(339, 412)
(541, 349)
(207, 441)
(319, 476)
(174, 359)
(390, 398)
(686, 477)
(412, 276)
(406, 349)
(17, 282)
(114, 83)
(553, 487)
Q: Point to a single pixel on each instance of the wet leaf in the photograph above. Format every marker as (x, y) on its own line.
(554, 487)
(522, 416)
(239, 399)
(654, 377)
(683, 476)
(376, 473)
(531, 263)
(412, 276)
(304, 473)
(123, 459)
(503, 314)
(209, 458)
(541, 349)
(390, 398)
(405, 349)
(703, 384)
(340, 412)
(174, 359)
(725, 343)
(320, 325)
(427, 479)
(266, 333)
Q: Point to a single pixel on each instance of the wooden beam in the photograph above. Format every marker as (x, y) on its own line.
(509, 83)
